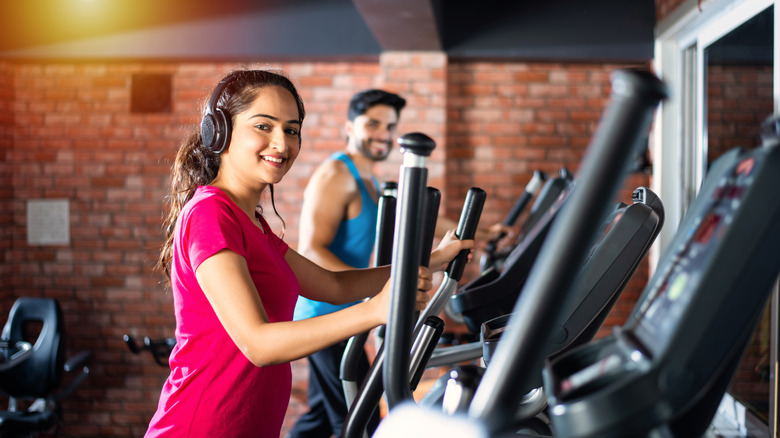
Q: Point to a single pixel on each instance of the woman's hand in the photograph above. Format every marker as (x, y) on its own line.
(424, 284)
(448, 248)
(382, 300)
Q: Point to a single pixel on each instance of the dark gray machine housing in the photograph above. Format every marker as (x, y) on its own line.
(626, 236)
(495, 292)
(668, 367)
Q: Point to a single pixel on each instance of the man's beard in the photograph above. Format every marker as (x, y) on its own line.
(364, 147)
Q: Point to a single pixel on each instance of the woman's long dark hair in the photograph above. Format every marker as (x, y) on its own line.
(196, 165)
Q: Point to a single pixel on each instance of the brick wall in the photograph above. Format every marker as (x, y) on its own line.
(421, 77)
(74, 137)
(6, 126)
(6, 195)
(506, 120)
(739, 98)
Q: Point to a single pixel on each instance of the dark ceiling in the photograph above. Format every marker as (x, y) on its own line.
(573, 30)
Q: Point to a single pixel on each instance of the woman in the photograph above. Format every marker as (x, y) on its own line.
(235, 283)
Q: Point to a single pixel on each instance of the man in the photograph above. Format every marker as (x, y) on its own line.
(337, 231)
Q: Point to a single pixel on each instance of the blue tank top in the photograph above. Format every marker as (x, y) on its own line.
(353, 243)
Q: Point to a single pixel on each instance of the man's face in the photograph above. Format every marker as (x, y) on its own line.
(372, 134)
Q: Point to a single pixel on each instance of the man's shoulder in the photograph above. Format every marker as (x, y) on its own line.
(333, 174)
(334, 165)
(333, 169)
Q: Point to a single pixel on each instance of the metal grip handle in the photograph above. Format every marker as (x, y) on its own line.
(530, 189)
(423, 347)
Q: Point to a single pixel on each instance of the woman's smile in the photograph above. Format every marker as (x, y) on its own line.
(275, 161)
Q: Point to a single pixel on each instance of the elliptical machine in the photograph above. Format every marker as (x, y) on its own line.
(634, 99)
(415, 221)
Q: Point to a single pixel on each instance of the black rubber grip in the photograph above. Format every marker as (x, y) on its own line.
(430, 214)
(467, 228)
(385, 227)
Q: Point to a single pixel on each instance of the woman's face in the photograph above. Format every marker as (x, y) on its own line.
(265, 139)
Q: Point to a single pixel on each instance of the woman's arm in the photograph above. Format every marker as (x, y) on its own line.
(348, 286)
(335, 287)
(225, 280)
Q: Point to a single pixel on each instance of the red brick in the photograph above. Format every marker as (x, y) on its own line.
(531, 76)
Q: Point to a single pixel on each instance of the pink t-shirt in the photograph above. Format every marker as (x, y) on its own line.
(213, 389)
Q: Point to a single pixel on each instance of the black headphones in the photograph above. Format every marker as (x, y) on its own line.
(216, 126)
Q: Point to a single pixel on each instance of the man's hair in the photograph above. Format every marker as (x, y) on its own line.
(362, 101)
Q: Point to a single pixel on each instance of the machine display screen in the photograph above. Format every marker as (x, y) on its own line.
(672, 290)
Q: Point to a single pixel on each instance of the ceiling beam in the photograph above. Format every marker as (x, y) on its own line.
(403, 25)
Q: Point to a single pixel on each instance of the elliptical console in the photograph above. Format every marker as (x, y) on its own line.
(668, 367)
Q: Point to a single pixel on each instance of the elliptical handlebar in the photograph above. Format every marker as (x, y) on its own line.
(467, 229)
(406, 261)
(531, 189)
(430, 214)
(405, 264)
(383, 254)
(383, 249)
(160, 349)
(370, 392)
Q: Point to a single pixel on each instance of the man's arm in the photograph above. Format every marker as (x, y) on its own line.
(326, 202)
(482, 236)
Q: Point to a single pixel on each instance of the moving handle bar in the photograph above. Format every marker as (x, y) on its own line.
(530, 190)
(372, 388)
(467, 228)
(383, 249)
(383, 253)
(348, 370)
(406, 261)
(403, 273)
(411, 194)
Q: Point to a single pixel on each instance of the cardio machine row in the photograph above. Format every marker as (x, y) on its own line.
(626, 235)
(664, 372)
